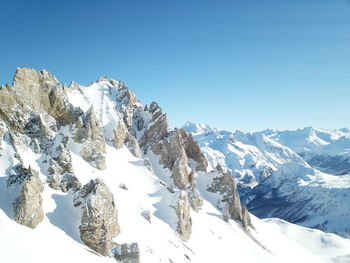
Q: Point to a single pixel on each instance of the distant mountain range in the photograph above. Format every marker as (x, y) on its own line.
(302, 176)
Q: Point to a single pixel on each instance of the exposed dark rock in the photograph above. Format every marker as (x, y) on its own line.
(99, 222)
(27, 208)
(120, 134)
(225, 185)
(127, 253)
(193, 151)
(132, 144)
(89, 133)
(194, 198)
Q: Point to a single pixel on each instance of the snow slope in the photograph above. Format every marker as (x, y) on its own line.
(57, 239)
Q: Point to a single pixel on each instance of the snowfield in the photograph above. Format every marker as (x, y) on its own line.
(213, 240)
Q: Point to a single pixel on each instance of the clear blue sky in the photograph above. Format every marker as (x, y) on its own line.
(245, 65)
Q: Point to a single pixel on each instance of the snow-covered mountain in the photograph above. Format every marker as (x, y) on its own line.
(275, 181)
(325, 150)
(88, 174)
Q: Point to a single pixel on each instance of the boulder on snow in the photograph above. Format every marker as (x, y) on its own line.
(99, 222)
(127, 253)
(27, 207)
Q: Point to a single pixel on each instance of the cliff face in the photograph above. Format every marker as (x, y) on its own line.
(47, 125)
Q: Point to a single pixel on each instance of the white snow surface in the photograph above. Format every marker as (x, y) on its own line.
(212, 240)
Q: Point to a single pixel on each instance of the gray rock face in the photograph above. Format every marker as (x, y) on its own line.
(89, 133)
(120, 134)
(226, 212)
(43, 93)
(128, 104)
(225, 185)
(127, 253)
(61, 170)
(40, 135)
(181, 172)
(155, 130)
(132, 144)
(194, 198)
(184, 225)
(99, 222)
(173, 156)
(27, 208)
(193, 151)
(246, 221)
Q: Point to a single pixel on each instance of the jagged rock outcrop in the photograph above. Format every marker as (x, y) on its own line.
(193, 151)
(246, 221)
(90, 135)
(12, 111)
(61, 174)
(128, 104)
(154, 130)
(194, 197)
(224, 184)
(41, 136)
(99, 222)
(183, 212)
(127, 253)
(27, 207)
(173, 156)
(132, 144)
(226, 212)
(44, 93)
(120, 134)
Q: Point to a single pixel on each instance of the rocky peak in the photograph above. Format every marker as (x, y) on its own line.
(27, 207)
(99, 222)
(89, 134)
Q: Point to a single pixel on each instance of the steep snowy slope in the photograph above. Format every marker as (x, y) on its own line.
(325, 150)
(57, 237)
(291, 189)
(87, 174)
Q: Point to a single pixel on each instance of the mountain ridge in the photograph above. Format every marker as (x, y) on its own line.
(93, 172)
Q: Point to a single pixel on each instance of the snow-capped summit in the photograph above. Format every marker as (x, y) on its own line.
(197, 128)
